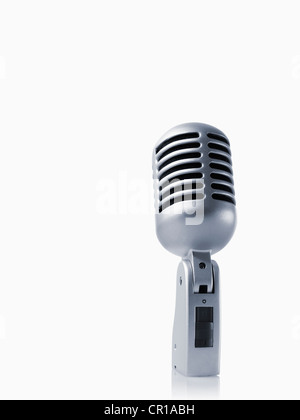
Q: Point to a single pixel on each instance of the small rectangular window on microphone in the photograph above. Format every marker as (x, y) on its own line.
(204, 334)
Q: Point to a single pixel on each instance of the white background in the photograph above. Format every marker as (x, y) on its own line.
(87, 293)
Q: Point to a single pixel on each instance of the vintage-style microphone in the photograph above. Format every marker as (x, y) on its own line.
(195, 218)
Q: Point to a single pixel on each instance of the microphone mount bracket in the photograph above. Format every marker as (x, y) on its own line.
(202, 271)
(196, 332)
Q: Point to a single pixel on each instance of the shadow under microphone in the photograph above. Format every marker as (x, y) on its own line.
(195, 218)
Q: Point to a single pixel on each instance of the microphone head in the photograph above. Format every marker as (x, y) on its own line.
(194, 193)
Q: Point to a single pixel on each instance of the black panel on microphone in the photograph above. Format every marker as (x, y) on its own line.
(204, 336)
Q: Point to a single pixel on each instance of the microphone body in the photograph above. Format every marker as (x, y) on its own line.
(195, 218)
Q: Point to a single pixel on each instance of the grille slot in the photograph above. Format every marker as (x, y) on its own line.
(220, 167)
(220, 147)
(218, 156)
(182, 187)
(218, 137)
(184, 197)
(223, 197)
(222, 187)
(193, 165)
(191, 145)
(184, 136)
(179, 157)
(221, 177)
(193, 175)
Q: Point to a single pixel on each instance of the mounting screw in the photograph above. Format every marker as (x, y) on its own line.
(204, 301)
(202, 266)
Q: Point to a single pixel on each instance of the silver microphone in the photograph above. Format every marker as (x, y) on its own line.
(195, 218)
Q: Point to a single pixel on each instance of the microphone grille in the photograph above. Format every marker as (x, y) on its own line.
(185, 161)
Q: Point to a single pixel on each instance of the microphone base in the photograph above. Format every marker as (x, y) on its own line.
(196, 333)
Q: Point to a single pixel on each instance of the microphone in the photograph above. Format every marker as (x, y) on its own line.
(195, 217)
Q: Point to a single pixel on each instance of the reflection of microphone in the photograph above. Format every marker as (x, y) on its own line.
(195, 217)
